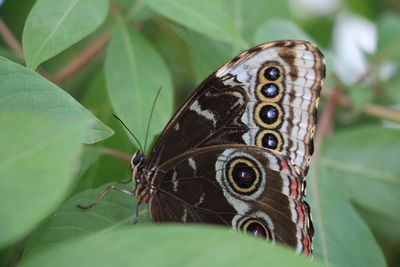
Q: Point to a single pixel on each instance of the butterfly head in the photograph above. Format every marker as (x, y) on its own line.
(139, 176)
(137, 161)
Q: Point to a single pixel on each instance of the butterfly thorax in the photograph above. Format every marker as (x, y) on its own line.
(142, 177)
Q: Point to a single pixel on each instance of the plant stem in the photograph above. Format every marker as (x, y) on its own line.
(111, 152)
(11, 40)
(83, 58)
(382, 112)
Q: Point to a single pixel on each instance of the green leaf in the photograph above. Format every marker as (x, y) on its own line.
(389, 37)
(341, 237)
(368, 8)
(278, 29)
(387, 233)
(53, 26)
(39, 158)
(68, 222)
(207, 17)
(106, 168)
(169, 245)
(365, 162)
(134, 72)
(24, 90)
(384, 226)
(254, 13)
(206, 54)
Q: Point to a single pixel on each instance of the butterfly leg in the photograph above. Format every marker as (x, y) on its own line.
(137, 213)
(125, 181)
(104, 194)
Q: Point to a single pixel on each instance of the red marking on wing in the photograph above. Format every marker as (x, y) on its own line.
(300, 213)
(293, 188)
(284, 164)
(306, 245)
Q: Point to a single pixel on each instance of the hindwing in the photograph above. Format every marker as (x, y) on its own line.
(247, 188)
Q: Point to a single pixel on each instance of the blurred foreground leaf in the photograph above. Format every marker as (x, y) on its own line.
(69, 221)
(39, 157)
(168, 245)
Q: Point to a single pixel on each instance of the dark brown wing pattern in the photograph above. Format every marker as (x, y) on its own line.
(238, 150)
(203, 186)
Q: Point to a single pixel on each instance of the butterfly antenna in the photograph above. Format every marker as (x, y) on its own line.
(151, 116)
(126, 127)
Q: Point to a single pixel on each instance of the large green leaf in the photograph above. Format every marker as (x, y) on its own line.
(107, 168)
(170, 245)
(69, 221)
(53, 26)
(206, 54)
(24, 90)
(254, 13)
(207, 17)
(134, 72)
(278, 29)
(39, 156)
(365, 162)
(341, 238)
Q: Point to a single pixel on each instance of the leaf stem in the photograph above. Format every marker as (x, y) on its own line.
(111, 152)
(370, 109)
(11, 41)
(382, 112)
(83, 58)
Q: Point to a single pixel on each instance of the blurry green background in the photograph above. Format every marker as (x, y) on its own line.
(113, 56)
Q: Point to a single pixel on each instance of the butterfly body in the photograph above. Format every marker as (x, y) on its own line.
(237, 152)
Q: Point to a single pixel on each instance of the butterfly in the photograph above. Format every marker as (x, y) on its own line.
(238, 150)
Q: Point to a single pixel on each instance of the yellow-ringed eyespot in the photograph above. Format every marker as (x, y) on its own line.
(268, 115)
(270, 92)
(255, 227)
(244, 176)
(271, 72)
(269, 139)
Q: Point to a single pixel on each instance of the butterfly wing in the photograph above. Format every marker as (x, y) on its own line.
(238, 150)
(265, 97)
(247, 188)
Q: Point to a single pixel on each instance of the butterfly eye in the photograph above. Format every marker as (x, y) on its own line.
(272, 73)
(136, 159)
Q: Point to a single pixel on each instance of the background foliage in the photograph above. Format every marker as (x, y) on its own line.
(88, 59)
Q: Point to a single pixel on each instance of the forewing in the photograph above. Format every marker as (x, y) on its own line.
(242, 104)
